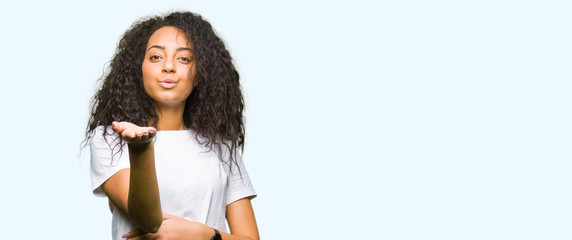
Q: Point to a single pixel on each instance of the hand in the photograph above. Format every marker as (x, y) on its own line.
(134, 134)
(175, 228)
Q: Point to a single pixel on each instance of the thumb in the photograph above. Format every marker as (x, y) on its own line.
(117, 126)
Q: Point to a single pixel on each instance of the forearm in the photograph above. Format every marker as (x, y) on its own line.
(174, 227)
(143, 202)
(226, 236)
(195, 230)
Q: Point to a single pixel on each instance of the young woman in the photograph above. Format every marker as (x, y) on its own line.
(165, 129)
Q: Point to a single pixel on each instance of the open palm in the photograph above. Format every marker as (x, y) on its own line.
(134, 134)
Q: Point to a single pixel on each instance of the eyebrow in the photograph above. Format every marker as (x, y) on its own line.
(178, 49)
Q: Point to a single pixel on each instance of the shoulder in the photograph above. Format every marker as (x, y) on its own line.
(100, 130)
(103, 135)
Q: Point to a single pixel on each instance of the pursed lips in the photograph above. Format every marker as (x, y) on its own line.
(168, 83)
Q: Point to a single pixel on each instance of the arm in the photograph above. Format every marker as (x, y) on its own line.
(240, 218)
(135, 190)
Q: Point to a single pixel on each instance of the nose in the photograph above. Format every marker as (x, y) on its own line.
(168, 66)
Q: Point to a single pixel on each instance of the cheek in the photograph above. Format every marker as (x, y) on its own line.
(147, 70)
(147, 74)
(189, 73)
(189, 85)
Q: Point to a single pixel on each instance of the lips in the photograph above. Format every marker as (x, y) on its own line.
(168, 83)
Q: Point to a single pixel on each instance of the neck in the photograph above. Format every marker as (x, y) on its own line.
(170, 118)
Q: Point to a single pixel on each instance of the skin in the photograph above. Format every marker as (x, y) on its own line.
(168, 73)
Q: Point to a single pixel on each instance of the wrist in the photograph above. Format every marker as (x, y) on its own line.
(139, 146)
(141, 155)
(215, 235)
(197, 229)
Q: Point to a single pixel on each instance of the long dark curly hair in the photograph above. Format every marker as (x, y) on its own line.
(214, 110)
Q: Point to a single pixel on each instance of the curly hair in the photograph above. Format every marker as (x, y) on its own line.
(214, 110)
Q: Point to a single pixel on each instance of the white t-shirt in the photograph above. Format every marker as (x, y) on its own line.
(193, 183)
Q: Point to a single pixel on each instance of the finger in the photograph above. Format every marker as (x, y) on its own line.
(137, 137)
(146, 236)
(145, 138)
(146, 133)
(136, 132)
(151, 133)
(143, 131)
(116, 127)
(129, 134)
(119, 126)
(134, 233)
(150, 130)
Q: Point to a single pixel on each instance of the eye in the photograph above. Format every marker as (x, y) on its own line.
(185, 59)
(154, 57)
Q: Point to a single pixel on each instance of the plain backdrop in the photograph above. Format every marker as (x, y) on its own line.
(365, 119)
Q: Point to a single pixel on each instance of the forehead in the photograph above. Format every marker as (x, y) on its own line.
(167, 36)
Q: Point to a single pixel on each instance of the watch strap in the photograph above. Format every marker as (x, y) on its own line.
(216, 235)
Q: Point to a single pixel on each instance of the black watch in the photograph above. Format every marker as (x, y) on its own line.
(216, 235)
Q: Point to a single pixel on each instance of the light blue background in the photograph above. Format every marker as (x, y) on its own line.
(365, 120)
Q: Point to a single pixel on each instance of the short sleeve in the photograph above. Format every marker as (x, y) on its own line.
(107, 158)
(239, 185)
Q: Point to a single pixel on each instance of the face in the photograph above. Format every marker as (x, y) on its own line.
(168, 68)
